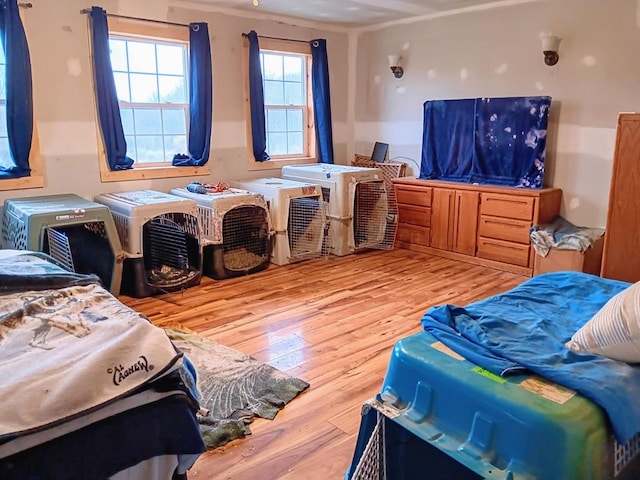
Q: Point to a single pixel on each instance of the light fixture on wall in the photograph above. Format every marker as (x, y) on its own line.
(394, 65)
(550, 45)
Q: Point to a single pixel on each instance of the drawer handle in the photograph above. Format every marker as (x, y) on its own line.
(523, 202)
(504, 224)
(519, 249)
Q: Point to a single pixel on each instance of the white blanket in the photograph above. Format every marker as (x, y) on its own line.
(68, 351)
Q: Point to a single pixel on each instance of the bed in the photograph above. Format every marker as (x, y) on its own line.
(89, 389)
(505, 388)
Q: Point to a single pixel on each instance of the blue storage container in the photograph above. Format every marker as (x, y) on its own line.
(444, 417)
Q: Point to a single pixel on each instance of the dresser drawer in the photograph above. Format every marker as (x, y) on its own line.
(414, 215)
(413, 234)
(504, 229)
(508, 206)
(411, 195)
(501, 251)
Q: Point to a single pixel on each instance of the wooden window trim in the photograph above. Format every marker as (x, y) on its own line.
(140, 170)
(279, 46)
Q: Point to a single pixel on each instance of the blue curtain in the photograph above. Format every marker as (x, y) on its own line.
(321, 100)
(256, 100)
(18, 89)
(200, 98)
(106, 95)
(497, 141)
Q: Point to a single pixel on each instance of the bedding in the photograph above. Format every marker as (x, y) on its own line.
(89, 387)
(527, 328)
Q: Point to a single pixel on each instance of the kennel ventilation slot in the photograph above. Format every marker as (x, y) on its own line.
(361, 211)
(80, 234)
(161, 239)
(236, 231)
(299, 217)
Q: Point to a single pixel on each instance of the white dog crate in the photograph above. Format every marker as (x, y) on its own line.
(78, 233)
(298, 215)
(236, 231)
(359, 208)
(160, 236)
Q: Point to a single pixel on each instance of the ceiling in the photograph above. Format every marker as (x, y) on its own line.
(348, 13)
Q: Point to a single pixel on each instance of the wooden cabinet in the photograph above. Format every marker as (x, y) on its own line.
(621, 253)
(479, 224)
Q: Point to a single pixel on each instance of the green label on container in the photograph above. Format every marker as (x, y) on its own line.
(489, 375)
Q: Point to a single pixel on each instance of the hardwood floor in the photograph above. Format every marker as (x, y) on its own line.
(330, 322)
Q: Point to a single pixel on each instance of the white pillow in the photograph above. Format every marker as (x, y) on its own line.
(614, 331)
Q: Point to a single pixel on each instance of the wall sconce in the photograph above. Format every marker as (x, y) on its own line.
(394, 65)
(550, 45)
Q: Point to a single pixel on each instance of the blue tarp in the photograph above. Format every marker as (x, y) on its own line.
(525, 329)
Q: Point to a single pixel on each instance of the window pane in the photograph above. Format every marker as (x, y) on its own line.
(148, 121)
(293, 68)
(118, 50)
(294, 120)
(276, 120)
(174, 144)
(126, 114)
(272, 69)
(172, 89)
(144, 88)
(131, 146)
(293, 94)
(171, 59)
(122, 86)
(277, 143)
(150, 148)
(273, 93)
(174, 121)
(142, 57)
(5, 156)
(3, 76)
(296, 142)
(3, 60)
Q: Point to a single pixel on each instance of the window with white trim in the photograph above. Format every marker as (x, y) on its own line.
(5, 153)
(151, 80)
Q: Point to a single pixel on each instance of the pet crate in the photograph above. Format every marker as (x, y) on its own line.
(298, 215)
(78, 233)
(360, 211)
(441, 416)
(236, 231)
(160, 237)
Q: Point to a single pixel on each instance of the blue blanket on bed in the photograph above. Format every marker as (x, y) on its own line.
(526, 329)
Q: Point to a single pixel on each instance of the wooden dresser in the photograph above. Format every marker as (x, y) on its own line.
(479, 224)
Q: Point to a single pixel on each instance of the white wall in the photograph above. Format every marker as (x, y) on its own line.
(64, 104)
(498, 53)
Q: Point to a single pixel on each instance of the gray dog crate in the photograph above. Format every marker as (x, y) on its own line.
(80, 234)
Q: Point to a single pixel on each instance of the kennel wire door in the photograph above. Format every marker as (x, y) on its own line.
(236, 231)
(78, 233)
(299, 217)
(161, 238)
(360, 211)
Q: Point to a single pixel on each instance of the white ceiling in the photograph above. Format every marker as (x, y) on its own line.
(349, 13)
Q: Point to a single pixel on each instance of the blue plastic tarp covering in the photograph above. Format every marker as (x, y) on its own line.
(525, 329)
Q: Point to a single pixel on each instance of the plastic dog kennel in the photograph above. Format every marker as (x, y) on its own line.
(298, 215)
(360, 212)
(160, 236)
(78, 233)
(236, 231)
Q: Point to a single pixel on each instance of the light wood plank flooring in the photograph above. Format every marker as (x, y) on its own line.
(330, 322)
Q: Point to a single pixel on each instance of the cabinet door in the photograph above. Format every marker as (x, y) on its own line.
(442, 218)
(466, 222)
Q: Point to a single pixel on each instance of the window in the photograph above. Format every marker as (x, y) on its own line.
(151, 71)
(151, 81)
(5, 154)
(286, 79)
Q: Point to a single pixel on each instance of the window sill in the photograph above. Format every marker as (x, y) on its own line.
(278, 163)
(34, 181)
(149, 173)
